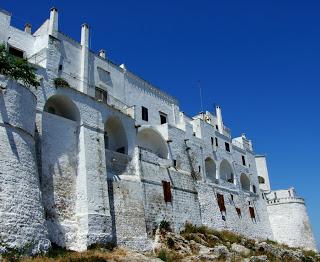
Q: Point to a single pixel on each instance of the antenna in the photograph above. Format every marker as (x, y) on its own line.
(200, 91)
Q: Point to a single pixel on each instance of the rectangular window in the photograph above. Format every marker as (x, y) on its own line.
(174, 162)
(167, 191)
(243, 160)
(252, 214)
(16, 52)
(144, 112)
(216, 139)
(163, 118)
(231, 197)
(227, 145)
(221, 205)
(101, 95)
(199, 168)
(212, 141)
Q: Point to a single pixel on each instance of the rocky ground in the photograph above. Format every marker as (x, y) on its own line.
(192, 244)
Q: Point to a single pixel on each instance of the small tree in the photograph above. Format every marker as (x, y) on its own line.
(17, 68)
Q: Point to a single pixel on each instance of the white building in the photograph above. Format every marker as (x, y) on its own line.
(111, 156)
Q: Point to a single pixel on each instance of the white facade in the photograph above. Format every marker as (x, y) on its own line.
(115, 155)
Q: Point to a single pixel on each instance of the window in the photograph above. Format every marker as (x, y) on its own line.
(163, 118)
(221, 205)
(212, 141)
(231, 197)
(60, 67)
(227, 145)
(238, 211)
(243, 160)
(174, 162)
(144, 112)
(217, 127)
(216, 139)
(252, 214)
(261, 180)
(16, 52)
(199, 168)
(254, 189)
(167, 191)
(106, 140)
(101, 95)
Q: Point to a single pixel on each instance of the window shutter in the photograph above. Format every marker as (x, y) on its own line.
(167, 191)
(221, 205)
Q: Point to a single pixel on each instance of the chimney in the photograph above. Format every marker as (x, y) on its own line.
(27, 28)
(219, 119)
(102, 54)
(53, 22)
(85, 35)
(123, 66)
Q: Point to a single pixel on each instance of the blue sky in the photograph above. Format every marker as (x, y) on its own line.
(260, 60)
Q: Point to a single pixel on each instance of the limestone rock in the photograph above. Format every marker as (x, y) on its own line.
(240, 249)
(221, 251)
(258, 259)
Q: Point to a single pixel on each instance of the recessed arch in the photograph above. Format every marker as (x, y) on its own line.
(62, 106)
(153, 141)
(115, 138)
(245, 182)
(226, 172)
(210, 166)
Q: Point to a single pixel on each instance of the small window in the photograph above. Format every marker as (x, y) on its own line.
(254, 189)
(174, 162)
(231, 197)
(16, 52)
(199, 168)
(60, 67)
(106, 140)
(261, 180)
(101, 95)
(249, 203)
(243, 160)
(212, 141)
(252, 214)
(221, 205)
(238, 211)
(167, 191)
(227, 145)
(216, 139)
(144, 113)
(163, 118)
(217, 127)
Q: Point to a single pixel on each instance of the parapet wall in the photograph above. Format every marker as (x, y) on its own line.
(21, 211)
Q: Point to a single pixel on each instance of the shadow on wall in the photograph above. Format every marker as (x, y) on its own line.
(60, 148)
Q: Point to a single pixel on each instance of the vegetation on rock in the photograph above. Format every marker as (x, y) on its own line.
(60, 82)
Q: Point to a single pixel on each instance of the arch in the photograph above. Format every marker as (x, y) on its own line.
(226, 172)
(153, 141)
(62, 106)
(210, 166)
(245, 182)
(115, 138)
(261, 180)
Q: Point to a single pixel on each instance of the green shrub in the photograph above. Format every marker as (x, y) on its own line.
(168, 256)
(17, 68)
(60, 82)
(165, 226)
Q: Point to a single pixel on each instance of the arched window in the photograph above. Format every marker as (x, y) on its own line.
(210, 170)
(115, 138)
(152, 141)
(261, 180)
(245, 182)
(226, 172)
(62, 106)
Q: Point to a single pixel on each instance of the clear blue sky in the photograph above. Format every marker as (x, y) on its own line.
(260, 60)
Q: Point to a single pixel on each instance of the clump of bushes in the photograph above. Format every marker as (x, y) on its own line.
(17, 68)
(168, 255)
(60, 82)
(165, 226)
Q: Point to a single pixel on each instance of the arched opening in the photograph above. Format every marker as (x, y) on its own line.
(152, 141)
(59, 167)
(62, 106)
(226, 172)
(245, 182)
(115, 138)
(261, 180)
(210, 170)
